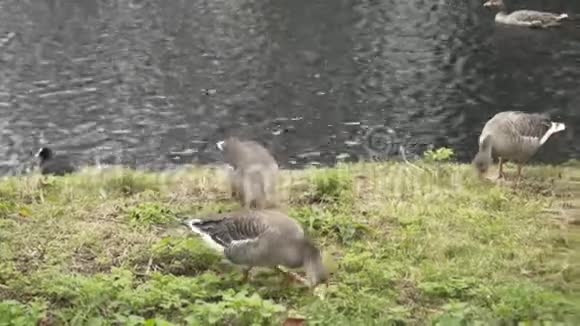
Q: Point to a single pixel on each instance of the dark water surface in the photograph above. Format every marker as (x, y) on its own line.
(154, 83)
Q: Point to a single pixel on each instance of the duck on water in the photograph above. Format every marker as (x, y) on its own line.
(529, 18)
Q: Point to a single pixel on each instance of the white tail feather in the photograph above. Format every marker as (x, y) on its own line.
(220, 145)
(204, 236)
(563, 16)
(556, 127)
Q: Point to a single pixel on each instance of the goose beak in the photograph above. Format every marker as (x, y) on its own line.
(487, 4)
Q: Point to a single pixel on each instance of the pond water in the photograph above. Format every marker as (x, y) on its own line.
(155, 83)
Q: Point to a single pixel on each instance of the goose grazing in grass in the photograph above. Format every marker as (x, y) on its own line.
(515, 136)
(52, 164)
(529, 18)
(264, 238)
(254, 172)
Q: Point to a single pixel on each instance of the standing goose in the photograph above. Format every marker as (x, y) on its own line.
(514, 136)
(264, 238)
(52, 164)
(529, 18)
(254, 172)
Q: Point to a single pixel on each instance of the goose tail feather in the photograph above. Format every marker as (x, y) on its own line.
(554, 128)
(558, 126)
(195, 226)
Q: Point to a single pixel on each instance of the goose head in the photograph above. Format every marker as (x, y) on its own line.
(482, 161)
(316, 272)
(494, 4)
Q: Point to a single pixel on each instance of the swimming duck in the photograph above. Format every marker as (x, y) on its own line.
(52, 164)
(530, 18)
(264, 238)
(253, 172)
(514, 136)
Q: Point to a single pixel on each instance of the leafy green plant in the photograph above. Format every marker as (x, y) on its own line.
(441, 154)
(331, 186)
(448, 288)
(323, 223)
(6, 207)
(183, 255)
(14, 313)
(236, 309)
(150, 214)
(457, 313)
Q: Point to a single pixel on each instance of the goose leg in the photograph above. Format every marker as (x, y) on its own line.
(500, 170)
(519, 174)
(246, 274)
(291, 277)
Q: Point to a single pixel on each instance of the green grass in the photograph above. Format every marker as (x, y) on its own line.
(412, 245)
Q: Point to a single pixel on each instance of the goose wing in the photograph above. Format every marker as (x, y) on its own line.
(227, 230)
(530, 124)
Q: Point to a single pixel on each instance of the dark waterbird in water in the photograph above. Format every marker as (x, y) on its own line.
(515, 136)
(51, 164)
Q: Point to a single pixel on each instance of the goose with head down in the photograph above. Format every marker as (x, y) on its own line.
(265, 238)
(529, 18)
(515, 136)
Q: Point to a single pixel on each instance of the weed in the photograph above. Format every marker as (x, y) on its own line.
(439, 155)
(149, 214)
(183, 256)
(331, 186)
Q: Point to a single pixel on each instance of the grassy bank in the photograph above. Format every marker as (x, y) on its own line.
(412, 245)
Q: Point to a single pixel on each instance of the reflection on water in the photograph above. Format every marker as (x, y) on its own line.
(153, 83)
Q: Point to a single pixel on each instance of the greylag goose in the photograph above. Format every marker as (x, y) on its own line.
(514, 136)
(530, 18)
(52, 164)
(264, 238)
(253, 173)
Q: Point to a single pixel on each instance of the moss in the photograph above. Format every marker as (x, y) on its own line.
(412, 244)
